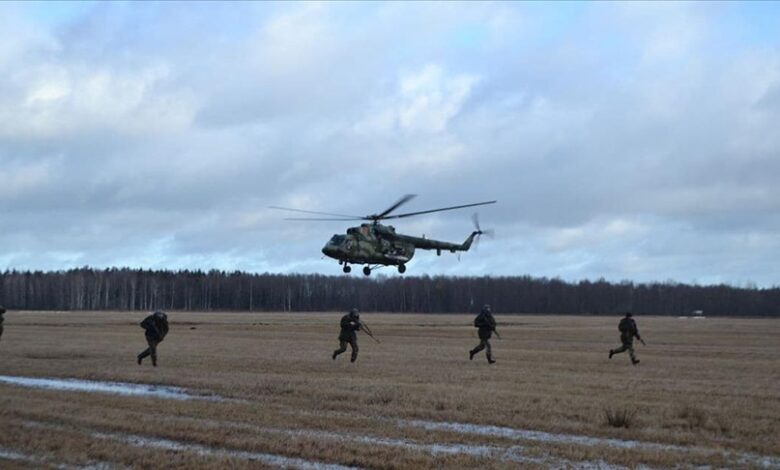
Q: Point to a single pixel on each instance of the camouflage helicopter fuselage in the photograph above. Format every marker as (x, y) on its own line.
(374, 243)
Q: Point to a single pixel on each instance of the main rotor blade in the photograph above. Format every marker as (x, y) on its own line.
(395, 206)
(409, 214)
(314, 212)
(315, 218)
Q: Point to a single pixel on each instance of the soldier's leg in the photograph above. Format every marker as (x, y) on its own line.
(341, 349)
(477, 349)
(489, 352)
(619, 350)
(1, 331)
(631, 354)
(153, 352)
(354, 346)
(144, 354)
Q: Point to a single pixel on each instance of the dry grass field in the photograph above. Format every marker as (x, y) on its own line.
(707, 393)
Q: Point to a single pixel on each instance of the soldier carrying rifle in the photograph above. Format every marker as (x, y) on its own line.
(628, 331)
(350, 325)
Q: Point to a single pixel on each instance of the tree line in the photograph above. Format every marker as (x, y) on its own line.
(137, 289)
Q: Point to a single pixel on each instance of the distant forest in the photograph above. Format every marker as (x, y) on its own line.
(134, 289)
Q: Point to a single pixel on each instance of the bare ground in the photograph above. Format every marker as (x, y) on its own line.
(707, 392)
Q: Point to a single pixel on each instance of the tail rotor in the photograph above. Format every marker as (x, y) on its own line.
(478, 230)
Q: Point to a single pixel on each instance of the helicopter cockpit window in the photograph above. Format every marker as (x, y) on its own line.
(337, 239)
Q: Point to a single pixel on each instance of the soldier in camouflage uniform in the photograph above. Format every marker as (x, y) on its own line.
(628, 331)
(487, 325)
(156, 326)
(350, 325)
(2, 311)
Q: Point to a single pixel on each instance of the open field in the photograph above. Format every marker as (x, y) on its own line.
(266, 393)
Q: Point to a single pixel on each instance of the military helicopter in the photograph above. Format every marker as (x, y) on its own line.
(376, 245)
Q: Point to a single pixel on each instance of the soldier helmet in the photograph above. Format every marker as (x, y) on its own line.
(629, 315)
(486, 308)
(354, 312)
(161, 315)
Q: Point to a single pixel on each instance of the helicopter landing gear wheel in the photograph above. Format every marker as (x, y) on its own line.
(347, 269)
(401, 268)
(366, 270)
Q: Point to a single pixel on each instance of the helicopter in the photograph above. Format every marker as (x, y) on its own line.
(376, 245)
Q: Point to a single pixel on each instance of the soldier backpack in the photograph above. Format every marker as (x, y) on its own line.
(625, 325)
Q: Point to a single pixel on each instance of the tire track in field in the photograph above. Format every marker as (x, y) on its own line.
(17, 456)
(137, 440)
(515, 454)
(201, 450)
(742, 458)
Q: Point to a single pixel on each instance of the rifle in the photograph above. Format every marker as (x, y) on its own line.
(642, 341)
(365, 328)
(496, 332)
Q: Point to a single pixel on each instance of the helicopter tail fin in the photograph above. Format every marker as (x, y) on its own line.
(466, 245)
(476, 233)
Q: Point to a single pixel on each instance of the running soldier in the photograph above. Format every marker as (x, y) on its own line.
(628, 331)
(2, 311)
(156, 326)
(350, 325)
(487, 325)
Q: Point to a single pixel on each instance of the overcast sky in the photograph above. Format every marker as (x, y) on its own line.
(625, 141)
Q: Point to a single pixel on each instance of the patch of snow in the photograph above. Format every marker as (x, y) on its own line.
(113, 388)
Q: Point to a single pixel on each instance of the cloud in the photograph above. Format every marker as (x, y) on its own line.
(625, 141)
